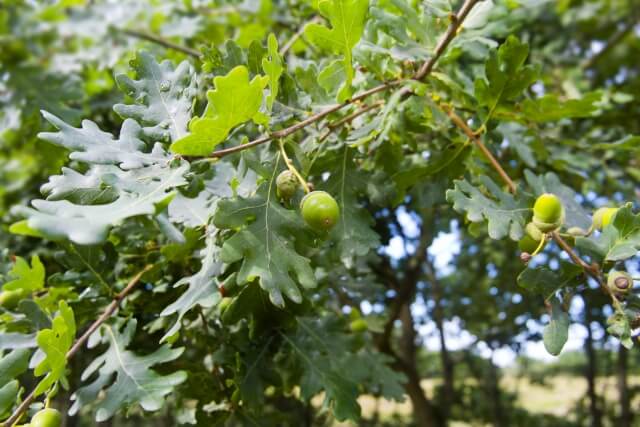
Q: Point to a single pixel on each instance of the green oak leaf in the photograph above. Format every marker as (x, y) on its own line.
(506, 75)
(202, 287)
(556, 333)
(347, 18)
(121, 178)
(12, 365)
(27, 278)
(505, 215)
(627, 143)
(315, 344)
(620, 240)
(124, 378)
(272, 66)
(550, 108)
(265, 243)
(139, 191)
(55, 343)
(371, 369)
(234, 101)
(165, 96)
(545, 282)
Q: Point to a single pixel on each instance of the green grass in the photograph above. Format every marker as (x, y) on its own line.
(558, 396)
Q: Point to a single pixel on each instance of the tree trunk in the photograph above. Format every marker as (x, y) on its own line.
(590, 372)
(626, 417)
(425, 415)
(447, 366)
(499, 416)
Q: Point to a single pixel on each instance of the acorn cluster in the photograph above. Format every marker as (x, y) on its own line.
(549, 216)
(318, 208)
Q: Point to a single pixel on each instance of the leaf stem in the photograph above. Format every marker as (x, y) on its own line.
(292, 168)
(80, 341)
(143, 35)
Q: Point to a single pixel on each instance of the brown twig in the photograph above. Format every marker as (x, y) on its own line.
(592, 270)
(347, 119)
(424, 71)
(616, 38)
(475, 137)
(80, 341)
(304, 123)
(456, 24)
(162, 42)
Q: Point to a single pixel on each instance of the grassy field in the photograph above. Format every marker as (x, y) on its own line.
(558, 396)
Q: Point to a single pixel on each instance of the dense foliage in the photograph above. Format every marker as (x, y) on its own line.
(200, 198)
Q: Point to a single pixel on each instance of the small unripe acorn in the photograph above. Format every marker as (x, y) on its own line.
(548, 213)
(619, 282)
(602, 217)
(286, 184)
(47, 417)
(10, 299)
(528, 244)
(224, 304)
(358, 325)
(533, 232)
(319, 210)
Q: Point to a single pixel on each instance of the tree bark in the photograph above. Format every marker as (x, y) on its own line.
(590, 372)
(424, 412)
(499, 415)
(447, 366)
(622, 368)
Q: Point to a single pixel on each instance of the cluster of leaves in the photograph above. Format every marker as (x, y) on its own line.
(242, 307)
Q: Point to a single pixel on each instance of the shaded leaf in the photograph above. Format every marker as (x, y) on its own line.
(202, 287)
(506, 75)
(550, 108)
(123, 378)
(556, 333)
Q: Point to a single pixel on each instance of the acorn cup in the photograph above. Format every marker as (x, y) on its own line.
(619, 282)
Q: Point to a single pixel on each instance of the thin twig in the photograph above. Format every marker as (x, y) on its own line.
(162, 42)
(424, 71)
(616, 38)
(297, 35)
(347, 119)
(475, 137)
(304, 123)
(80, 341)
(452, 31)
(592, 270)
